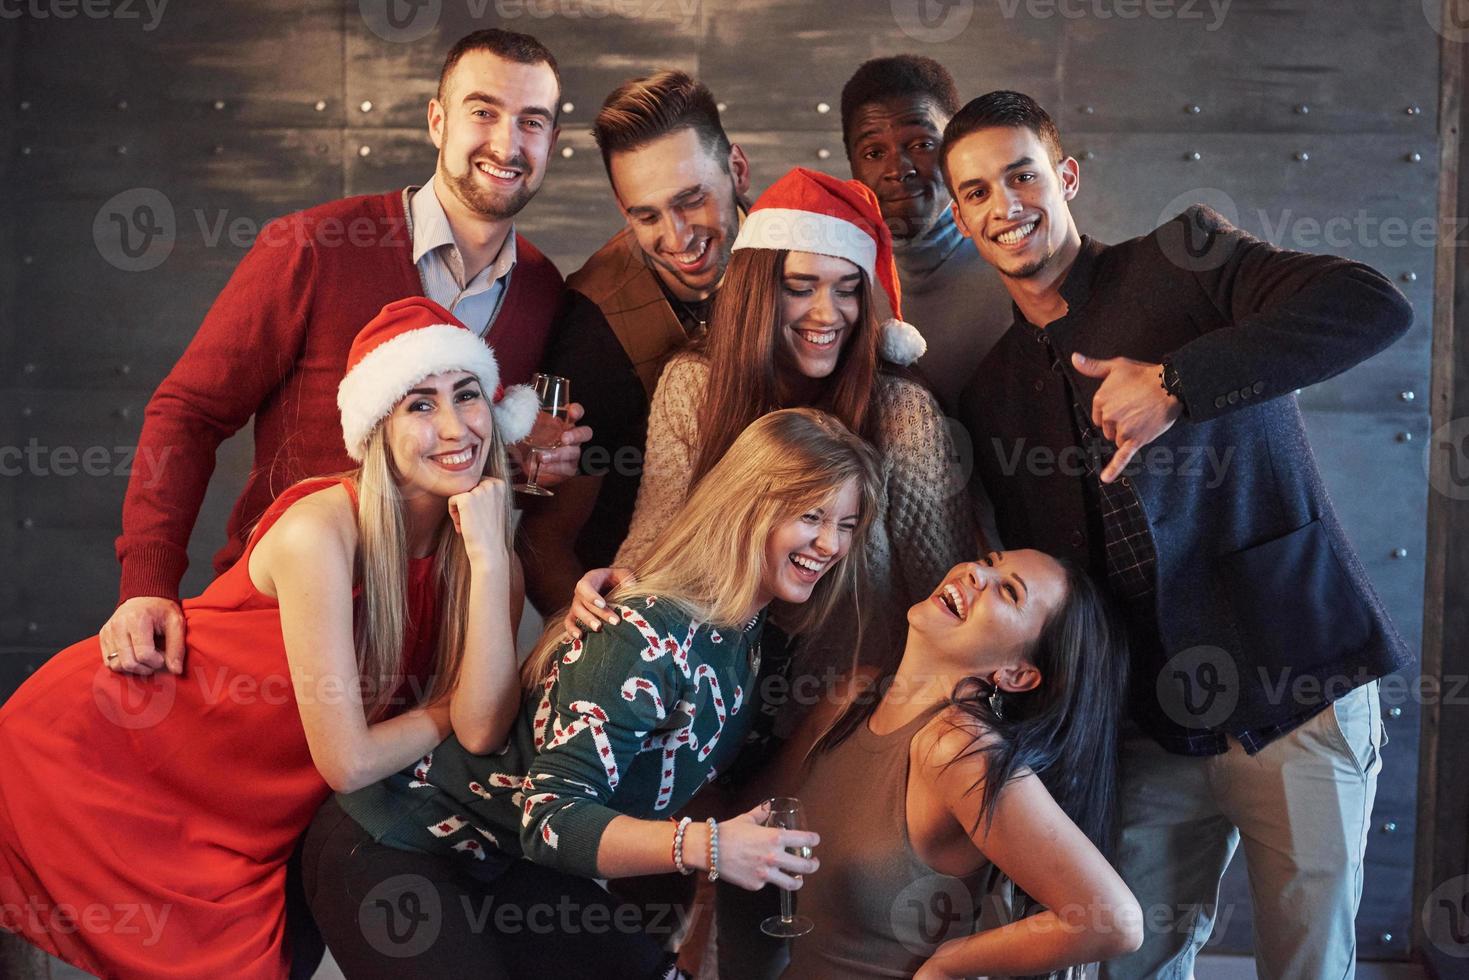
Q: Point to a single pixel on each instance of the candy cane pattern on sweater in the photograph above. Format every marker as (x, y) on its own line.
(669, 743)
(593, 720)
(659, 645)
(542, 720)
(633, 685)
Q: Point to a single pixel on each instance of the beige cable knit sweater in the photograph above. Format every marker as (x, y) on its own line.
(925, 525)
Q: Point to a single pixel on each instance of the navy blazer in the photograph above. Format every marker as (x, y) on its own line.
(1257, 585)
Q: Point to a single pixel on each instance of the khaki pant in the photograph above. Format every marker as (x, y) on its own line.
(1301, 808)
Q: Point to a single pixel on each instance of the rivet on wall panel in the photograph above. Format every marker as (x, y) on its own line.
(28, 369)
(219, 105)
(364, 150)
(1193, 155)
(124, 369)
(823, 154)
(27, 523)
(122, 105)
(1400, 552)
(1410, 276)
(1414, 157)
(1406, 396)
(1390, 827)
(823, 107)
(1404, 437)
(218, 149)
(123, 413)
(1088, 155)
(33, 627)
(1301, 156)
(25, 105)
(26, 411)
(25, 151)
(1413, 110)
(366, 105)
(721, 106)
(1302, 109)
(122, 151)
(1192, 109)
(28, 259)
(567, 153)
(1087, 110)
(1386, 937)
(320, 105)
(1395, 712)
(568, 107)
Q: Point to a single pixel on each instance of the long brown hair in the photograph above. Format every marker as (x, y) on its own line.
(746, 358)
(710, 559)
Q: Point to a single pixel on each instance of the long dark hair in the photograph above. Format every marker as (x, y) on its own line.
(1064, 730)
(745, 358)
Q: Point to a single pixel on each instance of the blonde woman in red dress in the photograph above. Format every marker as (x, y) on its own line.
(146, 821)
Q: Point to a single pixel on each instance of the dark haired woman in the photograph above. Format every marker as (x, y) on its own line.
(992, 746)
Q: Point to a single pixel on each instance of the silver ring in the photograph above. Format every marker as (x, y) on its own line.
(112, 656)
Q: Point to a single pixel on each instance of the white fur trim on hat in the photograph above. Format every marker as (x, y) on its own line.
(808, 231)
(370, 390)
(515, 413)
(901, 342)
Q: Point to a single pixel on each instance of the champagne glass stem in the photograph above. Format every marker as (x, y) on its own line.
(787, 914)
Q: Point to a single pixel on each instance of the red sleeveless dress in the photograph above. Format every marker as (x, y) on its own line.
(145, 823)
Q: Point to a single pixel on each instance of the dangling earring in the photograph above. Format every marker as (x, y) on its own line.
(997, 704)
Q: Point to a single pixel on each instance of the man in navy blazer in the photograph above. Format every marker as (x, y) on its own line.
(1139, 418)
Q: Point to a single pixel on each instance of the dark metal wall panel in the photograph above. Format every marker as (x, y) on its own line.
(263, 63)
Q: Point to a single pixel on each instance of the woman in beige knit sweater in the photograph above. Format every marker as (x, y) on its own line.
(797, 327)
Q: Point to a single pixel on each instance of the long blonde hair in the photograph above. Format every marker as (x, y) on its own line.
(710, 559)
(381, 620)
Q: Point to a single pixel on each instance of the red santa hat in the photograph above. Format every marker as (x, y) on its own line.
(406, 342)
(809, 211)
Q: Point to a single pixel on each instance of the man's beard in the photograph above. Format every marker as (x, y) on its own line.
(484, 202)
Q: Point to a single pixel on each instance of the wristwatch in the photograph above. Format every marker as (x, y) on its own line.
(1172, 383)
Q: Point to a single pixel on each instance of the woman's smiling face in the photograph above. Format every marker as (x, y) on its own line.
(439, 433)
(987, 614)
(800, 551)
(819, 305)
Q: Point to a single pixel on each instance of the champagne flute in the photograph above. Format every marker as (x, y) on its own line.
(555, 394)
(786, 812)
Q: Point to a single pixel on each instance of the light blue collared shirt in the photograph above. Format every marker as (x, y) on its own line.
(441, 267)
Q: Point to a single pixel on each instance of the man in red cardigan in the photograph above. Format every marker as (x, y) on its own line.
(274, 344)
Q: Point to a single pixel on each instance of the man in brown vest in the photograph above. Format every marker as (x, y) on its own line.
(639, 299)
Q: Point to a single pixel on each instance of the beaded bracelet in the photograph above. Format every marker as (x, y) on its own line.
(678, 833)
(713, 849)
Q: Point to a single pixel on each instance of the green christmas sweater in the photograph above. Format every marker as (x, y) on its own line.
(632, 720)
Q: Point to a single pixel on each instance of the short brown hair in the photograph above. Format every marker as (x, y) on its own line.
(1006, 109)
(642, 110)
(519, 48)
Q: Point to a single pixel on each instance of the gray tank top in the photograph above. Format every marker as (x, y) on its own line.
(879, 910)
